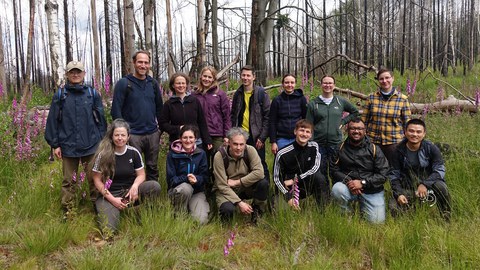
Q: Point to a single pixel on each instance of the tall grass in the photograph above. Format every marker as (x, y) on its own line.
(32, 234)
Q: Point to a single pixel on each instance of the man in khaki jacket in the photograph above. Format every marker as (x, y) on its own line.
(239, 175)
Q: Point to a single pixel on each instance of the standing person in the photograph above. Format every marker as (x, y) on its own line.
(216, 107)
(187, 173)
(138, 100)
(418, 170)
(75, 125)
(286, 109)
(250, 111)
(386, 114)
(301, 159)
(359, 173)
(239, 175)
(182, 109)
(325, 112)
(121, 165)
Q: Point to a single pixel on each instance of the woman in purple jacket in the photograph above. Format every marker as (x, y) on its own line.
(216, 107)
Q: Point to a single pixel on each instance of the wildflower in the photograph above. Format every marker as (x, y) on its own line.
(74, 177)
(82, 176)
(414, 87)
(108, 183)
(440, 94)
(407, 87)
(425, 111)
(296, 192)
(106, 85)
(225, 251)
(477, 97)
(230, 243)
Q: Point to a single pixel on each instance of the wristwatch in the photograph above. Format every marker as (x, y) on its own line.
(364, 183)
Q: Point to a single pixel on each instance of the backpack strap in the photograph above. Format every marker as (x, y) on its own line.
(226, 161)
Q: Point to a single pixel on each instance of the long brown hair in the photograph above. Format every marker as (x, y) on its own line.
(104, 159)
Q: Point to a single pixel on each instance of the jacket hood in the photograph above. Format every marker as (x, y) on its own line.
(135, 80)
(296, 93)
(176, 147)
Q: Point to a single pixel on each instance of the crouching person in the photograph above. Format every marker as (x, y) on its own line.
(238, 173)
(418, 172)
(302, 159)
(119, 176)
(359, 172)
(187, 172)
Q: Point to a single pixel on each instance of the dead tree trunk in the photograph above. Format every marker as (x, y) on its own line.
(51, 9)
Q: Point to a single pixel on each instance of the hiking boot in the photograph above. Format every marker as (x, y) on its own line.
(256, 214)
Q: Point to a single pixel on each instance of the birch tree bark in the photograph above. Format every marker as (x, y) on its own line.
(96, 49)
(58, 72)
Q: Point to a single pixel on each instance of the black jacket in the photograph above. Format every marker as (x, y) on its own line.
(285, 111)
(363, 162)
(295, 159)
(404, 177)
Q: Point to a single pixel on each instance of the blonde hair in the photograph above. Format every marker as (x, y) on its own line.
(200, 89)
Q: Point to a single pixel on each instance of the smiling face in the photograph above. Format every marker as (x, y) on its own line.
(207, 79)
(237, 145)
(303, 135)
(188, 140)
(180, 86)
(248, 78)
(288, 84)
(120, 138)
(415, 134)
(356, 132)
(75, 76)
(141, 65)
(328, 84)
(386, 80)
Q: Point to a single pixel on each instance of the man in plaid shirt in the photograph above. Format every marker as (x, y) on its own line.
(386, 114)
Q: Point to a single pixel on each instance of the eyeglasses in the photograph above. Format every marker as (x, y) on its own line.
(356, 128)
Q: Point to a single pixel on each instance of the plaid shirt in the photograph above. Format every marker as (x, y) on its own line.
(386, 120)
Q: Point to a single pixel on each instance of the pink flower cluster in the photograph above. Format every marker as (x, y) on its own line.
(410, 89)
(296, 192)
(230, 244)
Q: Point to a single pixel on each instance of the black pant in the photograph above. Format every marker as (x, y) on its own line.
(261, 153)
(258, 192)
(317, 185)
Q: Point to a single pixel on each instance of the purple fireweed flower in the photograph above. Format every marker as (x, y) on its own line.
(106, 84)
(440, 94)
(225, 251)
(296, 192)
(74, 177)
(414, 87)
(232, 235)
(230, 243)
(82, 176)
(477, 97)
(425, 111)
(407, 87)
(108, 183)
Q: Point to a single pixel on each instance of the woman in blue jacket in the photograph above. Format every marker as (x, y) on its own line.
(286, 109)
(187, 171)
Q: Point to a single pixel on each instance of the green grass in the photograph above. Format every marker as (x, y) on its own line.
(32, 235)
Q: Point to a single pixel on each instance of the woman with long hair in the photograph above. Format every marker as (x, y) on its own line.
(187, 172)
(182, 109)
(119, 176)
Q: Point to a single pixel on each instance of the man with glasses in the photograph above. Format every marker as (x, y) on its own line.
(359, 171)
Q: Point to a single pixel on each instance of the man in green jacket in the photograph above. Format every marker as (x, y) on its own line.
(239, 175)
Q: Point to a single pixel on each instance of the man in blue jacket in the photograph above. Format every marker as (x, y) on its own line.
(418, 172)
(137, 99)
(75, 125)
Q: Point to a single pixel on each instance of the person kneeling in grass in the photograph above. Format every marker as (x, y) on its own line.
(119, 176)
(187, 173)
(418, 172)
(359, 172)
(239, 175)
(298, 165)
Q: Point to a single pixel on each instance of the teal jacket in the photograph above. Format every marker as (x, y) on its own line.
(328, 118)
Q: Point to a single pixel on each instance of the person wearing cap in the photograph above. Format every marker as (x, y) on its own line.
(75, 125)
(138, 100)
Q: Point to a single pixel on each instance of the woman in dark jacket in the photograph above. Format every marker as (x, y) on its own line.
(182, 109)
(187, 172)
(286, 109)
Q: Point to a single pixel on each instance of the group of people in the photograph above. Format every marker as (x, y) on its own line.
(217, 149)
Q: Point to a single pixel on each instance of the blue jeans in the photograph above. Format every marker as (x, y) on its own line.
(282, 142)
(371, 205)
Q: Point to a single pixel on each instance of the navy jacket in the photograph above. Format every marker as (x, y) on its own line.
(139, 102)
(76, 130)
(180, 164)
(285, 111)
(404, 177)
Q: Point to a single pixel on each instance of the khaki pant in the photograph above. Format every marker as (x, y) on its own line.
(71, 184)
